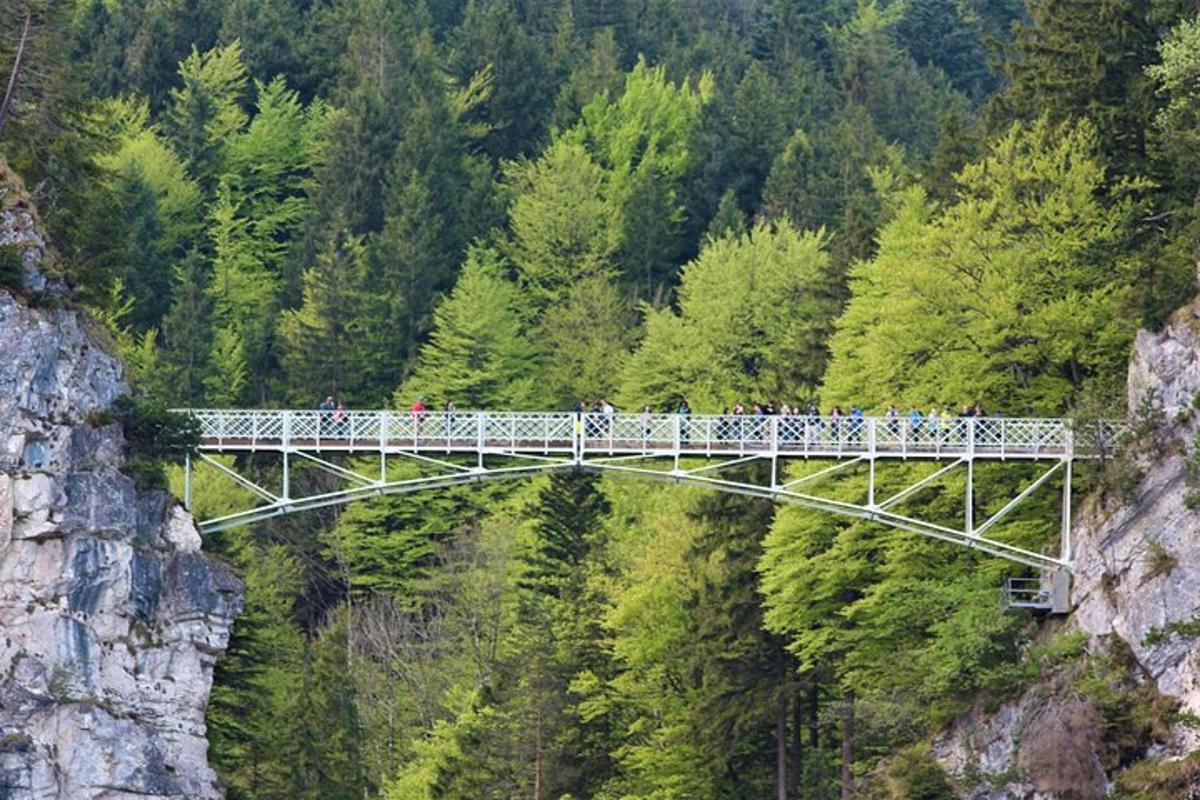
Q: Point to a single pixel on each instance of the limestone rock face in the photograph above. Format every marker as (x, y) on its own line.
(1138, 567)
(110, 618)
(1137, 571)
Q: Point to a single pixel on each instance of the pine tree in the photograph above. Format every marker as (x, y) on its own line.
(226, 383)
(410, 265)
(206, 109)
(1089, 60)
(478, 354)
(320, 346)
(515, 112)
(187, 330)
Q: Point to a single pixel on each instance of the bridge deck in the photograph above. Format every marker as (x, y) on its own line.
(596, 435)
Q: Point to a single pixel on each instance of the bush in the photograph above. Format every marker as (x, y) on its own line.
(12, 276)
(1159, 560)
(916, 775)
(154, 436)
(1160, 780)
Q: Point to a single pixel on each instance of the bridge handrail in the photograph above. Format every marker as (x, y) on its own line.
(553, 431)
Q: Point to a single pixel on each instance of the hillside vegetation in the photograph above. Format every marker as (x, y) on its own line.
(927, 203)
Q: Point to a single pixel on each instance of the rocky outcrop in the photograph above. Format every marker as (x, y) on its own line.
(110, 618)
(1137, 569)
(1137, 581)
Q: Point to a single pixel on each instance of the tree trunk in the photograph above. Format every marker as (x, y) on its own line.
(813, 721)
(16, 71)
(798, 746)
(781, 750)
(847, 745)
(537, 755)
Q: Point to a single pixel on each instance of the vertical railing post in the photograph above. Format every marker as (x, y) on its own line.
(676, 426)
(383, 437)
(971, 437)
(480, 423)
(969, 510)
(871, 482)
(187, 481)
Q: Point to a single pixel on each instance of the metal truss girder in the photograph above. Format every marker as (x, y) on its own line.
(1016, 501)
(824, 473)
(891, 519)
(879, 513)
(334, 468)
(282, 507)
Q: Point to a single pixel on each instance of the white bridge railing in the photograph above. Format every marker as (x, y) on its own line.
(655, 434)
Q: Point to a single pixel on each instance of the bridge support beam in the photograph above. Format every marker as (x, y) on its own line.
(187, 481)
(1067, 554)
(1060, 591)
(969, 510)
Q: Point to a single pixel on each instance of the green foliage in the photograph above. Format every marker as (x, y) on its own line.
(205, 110)
(523, 206)
(479, 354)
(321, 345)
(1134, 714)
(1160, 779)
(999, 298)
(1184, 629)
(563, 227)
(916, 775)
(1159, 560)
(12, 275)
(154, 436)
(755, 312)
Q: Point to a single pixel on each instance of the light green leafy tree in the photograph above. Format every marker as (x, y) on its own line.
(1014, 297)
(563, 226)
(755, 310)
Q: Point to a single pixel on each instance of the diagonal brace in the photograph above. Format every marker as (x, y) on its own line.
(821, 473)
(241, 481)
(1016, 501)
(720, 465)
(921, 484)
(334, 468)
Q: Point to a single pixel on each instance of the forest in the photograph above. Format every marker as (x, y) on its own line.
(531, 204)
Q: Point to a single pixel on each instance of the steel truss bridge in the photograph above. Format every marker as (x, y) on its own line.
(685, 449)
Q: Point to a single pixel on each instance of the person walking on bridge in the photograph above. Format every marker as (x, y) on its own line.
(448, 412)
(418, 410)
(684, 411)
(914, 424)
(325, 418)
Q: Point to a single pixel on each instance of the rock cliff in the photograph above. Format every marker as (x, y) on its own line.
(110, 618)
(1136, 586)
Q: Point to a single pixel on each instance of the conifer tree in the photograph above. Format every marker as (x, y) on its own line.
(478, 354)
(206, 109)
(320, 343)
(187, 330)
